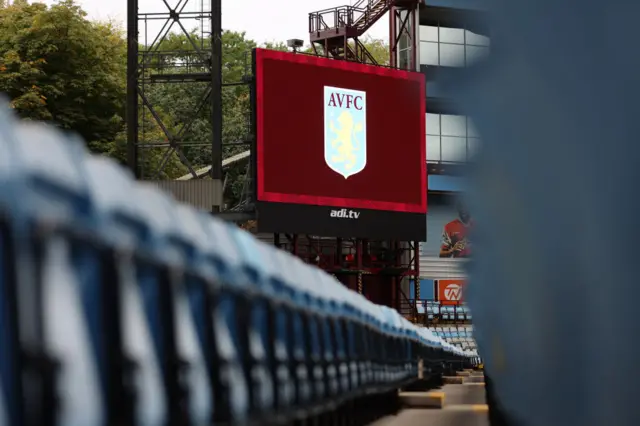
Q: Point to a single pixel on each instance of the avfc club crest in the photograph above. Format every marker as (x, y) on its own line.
(345, 130)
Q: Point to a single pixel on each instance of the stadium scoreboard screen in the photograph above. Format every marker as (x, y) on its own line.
(340, 148)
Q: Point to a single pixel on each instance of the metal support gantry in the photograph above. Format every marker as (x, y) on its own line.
(153, 63)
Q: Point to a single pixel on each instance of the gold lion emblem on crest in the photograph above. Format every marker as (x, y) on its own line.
(344, 140)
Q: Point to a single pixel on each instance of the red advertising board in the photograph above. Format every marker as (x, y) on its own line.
(341, 135)
(451, 292)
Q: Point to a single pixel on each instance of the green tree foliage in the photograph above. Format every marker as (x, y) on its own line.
(55, 65)
(378, 48)
(60, 67)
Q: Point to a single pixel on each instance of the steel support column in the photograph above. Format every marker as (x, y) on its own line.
(216, 90)
(404, 32)
(156, 69)
(416, 268)
(132, 87)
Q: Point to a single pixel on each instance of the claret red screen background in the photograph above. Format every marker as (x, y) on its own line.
(290, 164)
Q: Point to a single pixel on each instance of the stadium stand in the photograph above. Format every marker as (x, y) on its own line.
(120, 306)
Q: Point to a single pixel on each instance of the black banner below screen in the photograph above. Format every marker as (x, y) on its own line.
(341, 222)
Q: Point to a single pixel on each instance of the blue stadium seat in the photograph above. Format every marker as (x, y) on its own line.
(54, 207)
(123, 229)
(447, 313)
(9, 370)
(257, 302)
(190, 240)
(341, 298)
(159, 314)
(281, 334)
(354, 328)
(300, 340)
(323, 372)
(228, 333)
(461, 312)
(332, 294)
(57, 208)
(157, 264)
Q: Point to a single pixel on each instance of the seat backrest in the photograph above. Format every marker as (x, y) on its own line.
(68, 339)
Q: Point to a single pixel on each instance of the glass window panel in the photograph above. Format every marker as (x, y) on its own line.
(454, 149)
(450, 138)
(451, 35)
(428, 33)
(433, 124)
(433, 149)
(404, 59)
(403, 43)
(428, 53)
(453, 125)
(475, 53)
(476, 39)
(451, 55)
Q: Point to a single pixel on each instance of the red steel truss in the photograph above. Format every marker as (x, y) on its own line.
(404, 33)
(374, 268)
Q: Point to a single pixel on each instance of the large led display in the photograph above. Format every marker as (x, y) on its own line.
(340, 148)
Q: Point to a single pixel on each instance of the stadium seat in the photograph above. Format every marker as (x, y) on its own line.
(154, 313)
(190, 240)
(461, 313)
(327, 314)
(55, 199)
(156, 267)
(122, 229)
(9, 400)
(254, 309)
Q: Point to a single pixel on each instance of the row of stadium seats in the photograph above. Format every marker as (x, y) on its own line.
(461, 336)
(435, 311)
(120, 306)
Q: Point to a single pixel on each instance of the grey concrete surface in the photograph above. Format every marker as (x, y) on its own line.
(448, 416)
(463, 394)
(464, 405)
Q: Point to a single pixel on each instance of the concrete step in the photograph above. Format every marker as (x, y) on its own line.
(453, 380)
(474, 379)
(431, 399)
(477, 408)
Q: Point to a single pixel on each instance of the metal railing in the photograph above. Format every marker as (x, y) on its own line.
(361, 15)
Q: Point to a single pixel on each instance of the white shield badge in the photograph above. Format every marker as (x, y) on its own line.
(345, 130)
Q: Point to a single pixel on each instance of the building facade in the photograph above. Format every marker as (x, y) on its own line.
(451, 36)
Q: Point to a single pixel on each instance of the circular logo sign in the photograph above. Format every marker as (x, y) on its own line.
(452, 292)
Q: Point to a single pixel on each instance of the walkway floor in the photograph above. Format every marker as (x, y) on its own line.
(463, 405)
